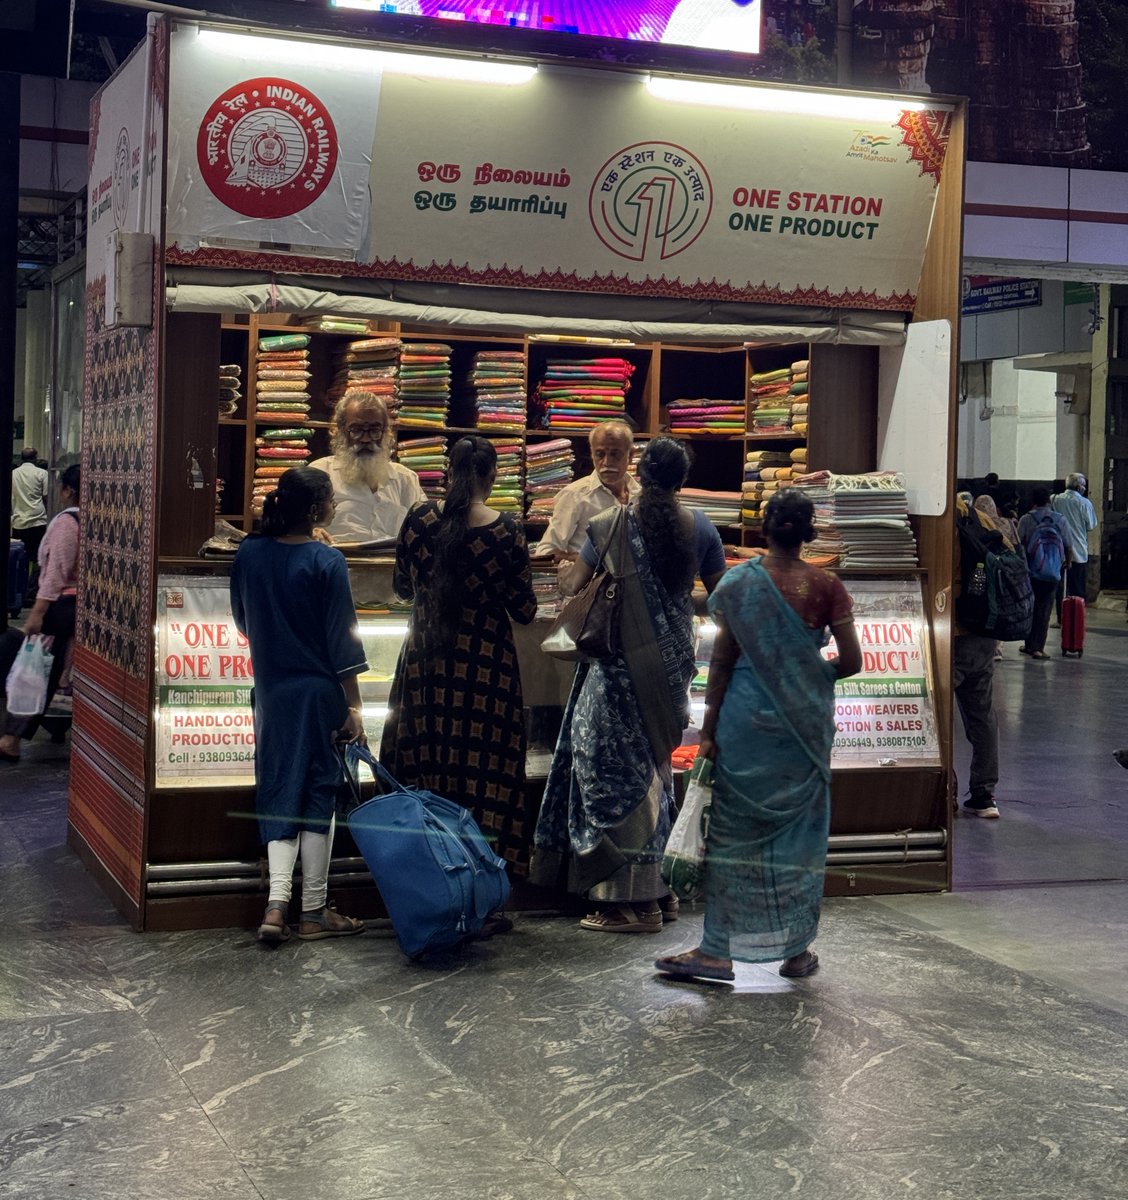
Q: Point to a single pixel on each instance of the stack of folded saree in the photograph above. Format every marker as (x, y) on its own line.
(327, 323)
(860, 520)
(230, 388)
(797, 393)
(722, 508)
(276, 451)
(282, 403)
(706, 418)
(769, 409)
(548, 468)
(424, 385)
(427, 457)
(764, 471)
(497, 381)
(577, 393)
(508, 495)
(369, 364)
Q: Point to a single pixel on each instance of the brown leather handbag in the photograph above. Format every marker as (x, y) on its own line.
(587, 626)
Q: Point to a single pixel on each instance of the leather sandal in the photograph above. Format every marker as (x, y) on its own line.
(269, 932)
(623, 918)
(690, 966)
(800, 965)
(329, 923)
(669, 906)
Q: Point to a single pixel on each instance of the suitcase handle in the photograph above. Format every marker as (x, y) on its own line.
(358, 752)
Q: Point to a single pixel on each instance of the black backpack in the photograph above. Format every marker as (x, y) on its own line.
(1003, 607)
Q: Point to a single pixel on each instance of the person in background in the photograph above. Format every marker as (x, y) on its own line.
(1080, 517)
(29, 509)
(769, 727)
(989, 516)
(456, 723)
(609, 484)
(290, 597)
(1044, 536)
(973, 681)
(372, 493)
(53, 612)
(609, 798)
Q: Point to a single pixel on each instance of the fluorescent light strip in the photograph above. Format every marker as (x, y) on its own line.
(784, 100)
(290, 51)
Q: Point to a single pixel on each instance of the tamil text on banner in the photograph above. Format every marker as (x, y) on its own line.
(204, 727)
(885, 714)
(572, 180)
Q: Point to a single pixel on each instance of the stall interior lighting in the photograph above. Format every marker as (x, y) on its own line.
(291, 51)
(786, 100)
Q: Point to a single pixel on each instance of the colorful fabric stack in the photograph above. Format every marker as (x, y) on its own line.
(797, 393)
(497, 381)
(722, 508)
(770, 407)
(548, 468)
(357, 326)
(764, 471)
(427, 457)
(577, 393)
(371, 364)
(282, 401)
(507, 495)
(276, 451)
(424, 385)
(230, 388)
(860, 520)
(706, 418)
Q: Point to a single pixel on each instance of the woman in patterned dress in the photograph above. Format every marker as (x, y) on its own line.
(455, 724)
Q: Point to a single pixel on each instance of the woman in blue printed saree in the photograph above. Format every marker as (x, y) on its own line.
(769, 726)
(608, 801)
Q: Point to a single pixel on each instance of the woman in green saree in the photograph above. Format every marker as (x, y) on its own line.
(769, 726)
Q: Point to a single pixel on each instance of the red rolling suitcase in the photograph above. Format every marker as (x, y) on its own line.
(1073, 625)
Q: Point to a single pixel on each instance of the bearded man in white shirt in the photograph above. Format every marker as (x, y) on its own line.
(609, 483)
(372, 493)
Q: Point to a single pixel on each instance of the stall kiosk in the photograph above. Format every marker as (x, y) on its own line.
(244, 187)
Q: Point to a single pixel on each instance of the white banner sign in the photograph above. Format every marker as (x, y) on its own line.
(885, 714)
(580, 180)
(269, 147)
(205, 733)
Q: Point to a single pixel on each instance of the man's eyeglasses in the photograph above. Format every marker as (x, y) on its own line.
(375, 432)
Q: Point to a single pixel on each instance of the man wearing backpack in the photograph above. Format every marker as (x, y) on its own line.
(1045, 537)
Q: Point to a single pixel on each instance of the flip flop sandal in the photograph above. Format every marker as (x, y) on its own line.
(270, 933)
(321, 919)
(806, 966)
(692, 967)
(623, 919)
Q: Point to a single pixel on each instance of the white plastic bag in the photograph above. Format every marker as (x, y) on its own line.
(683, 862)
(27, 680)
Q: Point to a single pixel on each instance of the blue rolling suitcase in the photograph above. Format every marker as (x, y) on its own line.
(17, 576)
(437, 875)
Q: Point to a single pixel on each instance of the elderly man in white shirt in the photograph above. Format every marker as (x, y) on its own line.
(372, 493)
(611, 444)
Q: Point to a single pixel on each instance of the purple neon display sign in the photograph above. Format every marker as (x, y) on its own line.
(732, 25)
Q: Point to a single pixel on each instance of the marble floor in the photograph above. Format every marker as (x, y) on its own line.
(965, 1045)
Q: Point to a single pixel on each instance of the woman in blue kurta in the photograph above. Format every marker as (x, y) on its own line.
(769, 726)
(290, 596)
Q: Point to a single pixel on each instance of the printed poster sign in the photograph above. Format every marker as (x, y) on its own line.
(269, 151)
(885, 714)
(204, 729)
(578, 181)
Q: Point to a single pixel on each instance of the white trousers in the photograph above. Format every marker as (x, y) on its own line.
(282, 856)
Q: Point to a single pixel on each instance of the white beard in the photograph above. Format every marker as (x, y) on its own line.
(371, 470)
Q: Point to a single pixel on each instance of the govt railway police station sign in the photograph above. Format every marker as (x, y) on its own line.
(580, 181)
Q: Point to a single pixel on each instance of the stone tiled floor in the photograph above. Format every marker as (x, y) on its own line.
(968, 1045)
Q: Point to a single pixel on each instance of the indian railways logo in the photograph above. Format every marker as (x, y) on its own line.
(650, 201)
(121, 178)
(267, 148)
